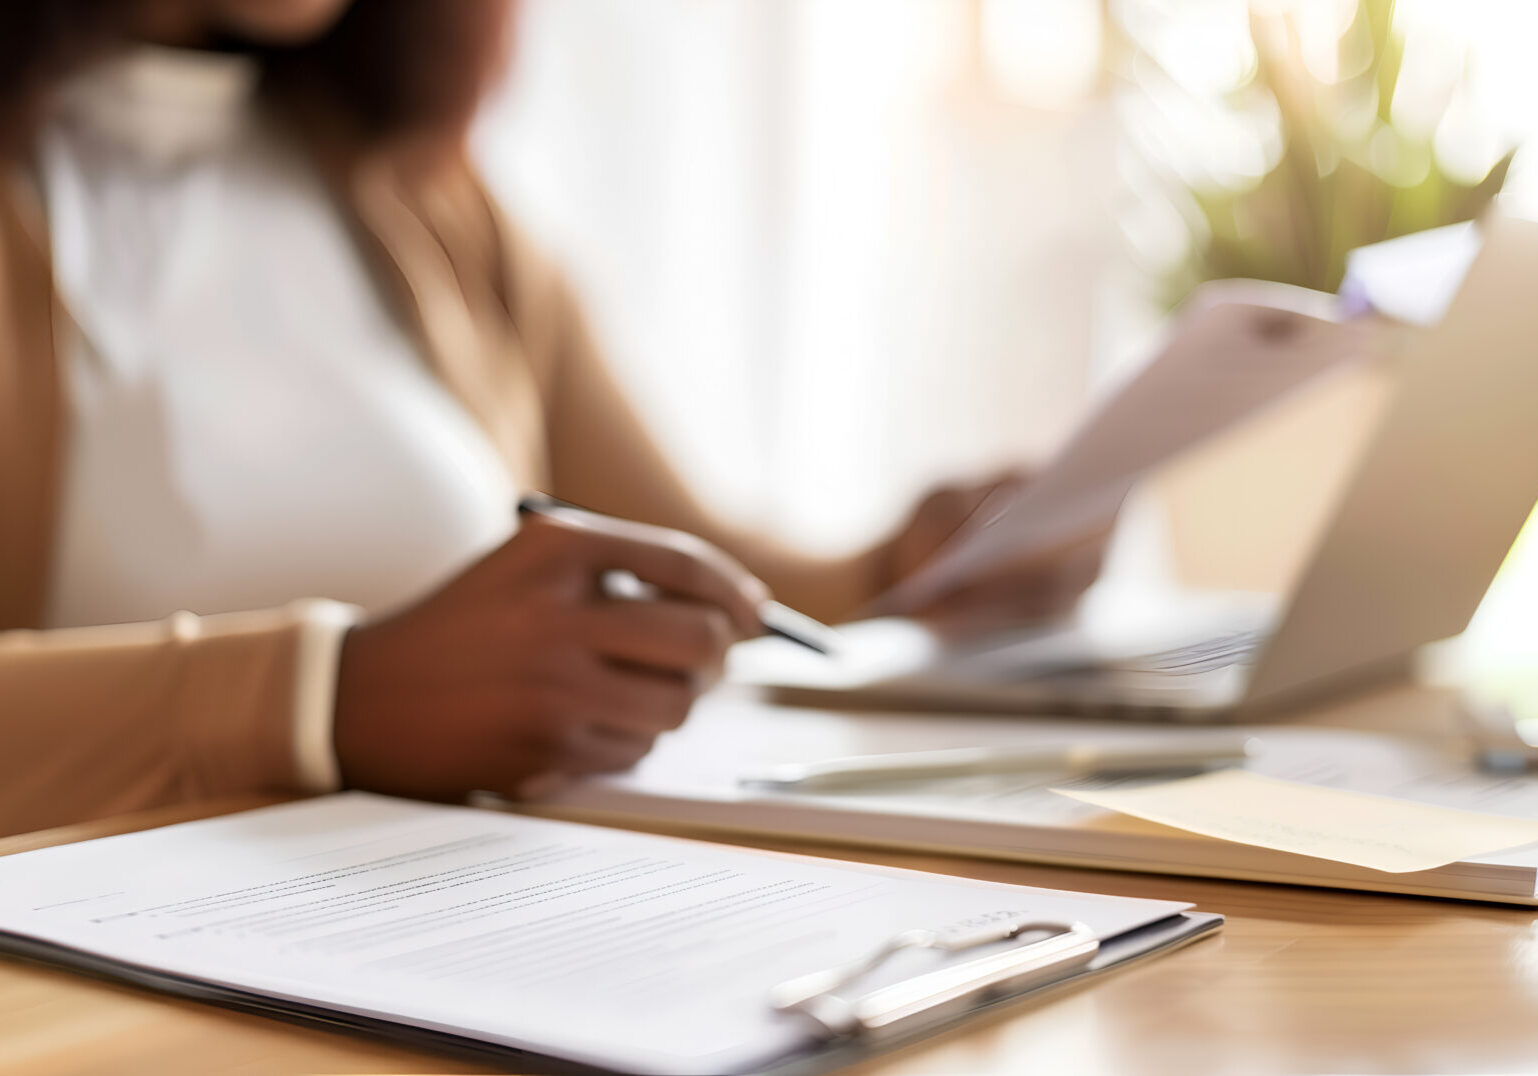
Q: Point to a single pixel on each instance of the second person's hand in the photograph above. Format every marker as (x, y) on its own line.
(1034, 588)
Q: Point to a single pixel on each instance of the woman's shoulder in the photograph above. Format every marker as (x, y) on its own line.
(23, 224)
(481, 238)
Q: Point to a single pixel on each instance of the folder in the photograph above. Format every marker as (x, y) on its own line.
(575, 945)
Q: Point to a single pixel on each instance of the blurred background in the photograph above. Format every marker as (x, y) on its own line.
(840, 249)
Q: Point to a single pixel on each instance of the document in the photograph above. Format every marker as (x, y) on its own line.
(1236, 347)
(690, 780)
(1386, 834)
(610, 948)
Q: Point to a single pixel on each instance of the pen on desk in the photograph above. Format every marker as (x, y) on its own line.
(776, 619)
(858, 770)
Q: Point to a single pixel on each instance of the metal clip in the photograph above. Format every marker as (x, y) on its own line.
(1068, 949)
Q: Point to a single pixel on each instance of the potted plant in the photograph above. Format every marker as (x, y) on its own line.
(1343, 163)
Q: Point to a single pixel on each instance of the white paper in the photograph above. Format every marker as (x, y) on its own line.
(692, 777)
(727, 736)
(1412, 278)
(1235, 347)
(612, 948)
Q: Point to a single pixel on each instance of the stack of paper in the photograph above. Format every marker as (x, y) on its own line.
(691, 780)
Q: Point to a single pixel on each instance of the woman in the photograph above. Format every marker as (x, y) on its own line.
(268, 352)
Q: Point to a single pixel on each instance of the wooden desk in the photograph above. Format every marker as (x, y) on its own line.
(1300, 981)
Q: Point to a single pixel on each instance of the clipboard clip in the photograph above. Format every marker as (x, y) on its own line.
(1066, 950)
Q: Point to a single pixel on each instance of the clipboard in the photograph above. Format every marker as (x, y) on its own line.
(852, 1028)
(882, 995)
(915, 1009)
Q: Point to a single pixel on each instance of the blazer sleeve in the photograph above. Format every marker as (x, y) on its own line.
(100, 720)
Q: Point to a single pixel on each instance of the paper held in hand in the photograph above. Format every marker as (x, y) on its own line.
(1237, 347)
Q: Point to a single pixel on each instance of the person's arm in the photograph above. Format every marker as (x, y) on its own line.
(602, 457)
(101, 720)
(515, 674)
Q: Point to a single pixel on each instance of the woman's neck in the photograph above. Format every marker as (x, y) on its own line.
(174, 23)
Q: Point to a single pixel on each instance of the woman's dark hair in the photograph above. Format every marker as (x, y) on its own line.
(391, 67)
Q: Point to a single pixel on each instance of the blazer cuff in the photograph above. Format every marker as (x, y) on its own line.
(323, 625)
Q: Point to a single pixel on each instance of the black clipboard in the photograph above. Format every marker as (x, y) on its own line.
(844, 1025)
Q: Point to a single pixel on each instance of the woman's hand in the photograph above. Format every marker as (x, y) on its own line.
(1042, 585)
(521, 671)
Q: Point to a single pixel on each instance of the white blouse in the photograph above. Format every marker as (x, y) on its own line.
(251, 425)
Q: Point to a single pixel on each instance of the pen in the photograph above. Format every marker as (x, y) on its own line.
(776, 619)
(857, 770)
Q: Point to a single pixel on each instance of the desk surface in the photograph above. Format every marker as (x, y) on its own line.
(1300, 981)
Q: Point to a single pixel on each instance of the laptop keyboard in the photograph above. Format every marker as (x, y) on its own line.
(1205, 655)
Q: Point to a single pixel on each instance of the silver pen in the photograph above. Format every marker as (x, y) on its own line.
(1185, 753)
(775, 618)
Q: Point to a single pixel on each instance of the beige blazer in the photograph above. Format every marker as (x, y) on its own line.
(97, 721)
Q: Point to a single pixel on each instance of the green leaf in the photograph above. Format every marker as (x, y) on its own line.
(1337, 184)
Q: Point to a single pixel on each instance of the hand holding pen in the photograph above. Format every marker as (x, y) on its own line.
(773, 618)
(527, 668)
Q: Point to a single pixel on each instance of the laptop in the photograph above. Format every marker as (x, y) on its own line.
(1435, 502)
